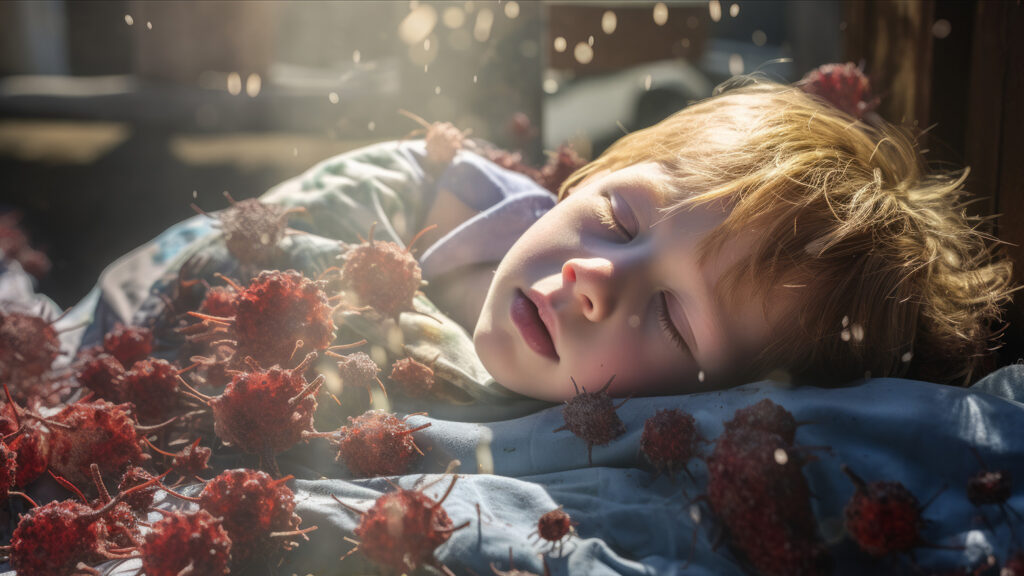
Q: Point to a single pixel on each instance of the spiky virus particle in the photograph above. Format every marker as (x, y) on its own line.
(152, 387)
(220, 301)
(190, 460)
(591, 417)
(265, 412)
(382, 275)
(883, 517)
(555, 527)
(32, 448)
(99, 372)
(52, 539)
(768, 416)
(119, 528)
(186, 543)
(28, 346)
(404, 528)
(1014, 565)
(253, 229)
(141, 500)
(845, 86)
(8, 469)
(559, 167)
(415, 378)
(990, 487)
(98, 432)
(758, 492)
(252, 507)
(358, 369)
(277, 310)
(128, 344)
(669, 440)
(377, 444)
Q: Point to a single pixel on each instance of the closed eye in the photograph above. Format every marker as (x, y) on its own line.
(665, 319)
(607, 213)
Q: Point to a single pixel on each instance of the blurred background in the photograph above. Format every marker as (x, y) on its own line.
(116, 115)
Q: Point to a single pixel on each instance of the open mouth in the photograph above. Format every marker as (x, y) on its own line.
(527, 320)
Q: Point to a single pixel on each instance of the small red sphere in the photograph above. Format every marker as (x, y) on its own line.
(220, 301)
(186, 543)
(277, 310)
(54, 538)
(252, 505)
(98, 432)
(382, 275)
(141, 500)
(555, 525)
(128, 344)
(883, 518)
(591, 417)
(415, 378)
(669, 440)
(253, 229)
(99, 372)
(152, 387)
(768, 416)
(403, 529)
(377, 444)
(28, 347)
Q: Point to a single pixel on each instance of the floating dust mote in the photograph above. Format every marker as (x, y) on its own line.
(764, 504)
(191, 543)
(252, 229)
(264, 412)
(257, 512)
(883, 517)
(383, 275)
(591, 417)
(555, 528)
(377, 444)
(669, 441)
(403, 529)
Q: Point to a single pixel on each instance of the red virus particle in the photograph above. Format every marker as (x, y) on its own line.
(383, 275)
(845, 86)
(415, 378)
(276, 311)
(555, 528)
(90, 432)
(28, 346)
(8, 469)
(358, 369)
(404, 528)
(591, 417)
(989, 486)
(186, 543)
(252, 229)
(758, 492)
(14, 245)
(189, 461)
(377, 444)
(152, 387)
(220, 301)
(55, 538)
(559, 167)
(669, 440)
(33, 453)
(768, 416)
(442, 140)
(140, 500)
(265, 412)
(883, 517)
(257, 512)
(99, 372)
(128, 344)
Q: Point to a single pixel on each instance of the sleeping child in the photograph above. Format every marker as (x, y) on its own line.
(760, 232)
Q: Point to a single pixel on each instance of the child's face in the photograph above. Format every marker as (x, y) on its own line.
(576, 298)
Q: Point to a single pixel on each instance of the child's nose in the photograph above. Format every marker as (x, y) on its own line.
(591, 283)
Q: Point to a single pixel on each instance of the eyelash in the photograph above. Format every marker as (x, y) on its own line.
(666, 324)
(607, 217)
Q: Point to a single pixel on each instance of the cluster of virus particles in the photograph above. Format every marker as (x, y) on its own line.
(243, 376)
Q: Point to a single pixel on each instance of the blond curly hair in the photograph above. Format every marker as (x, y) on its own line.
(893, 278)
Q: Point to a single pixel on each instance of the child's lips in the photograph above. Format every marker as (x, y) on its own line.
(528, 320)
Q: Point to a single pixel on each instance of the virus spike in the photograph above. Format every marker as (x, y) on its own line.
(455, 478)
(418, 236)
(310, 388)
(381, 384)
(414, 117)
(156, 427)
(349, 508)
(97, 479)
(193, 392)
(69, 486)
(301, 532)
(306, 362)
(24, 496)
(298, 346)
(347, 346)
(209, 318)
(229, 282)
(158, 450)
